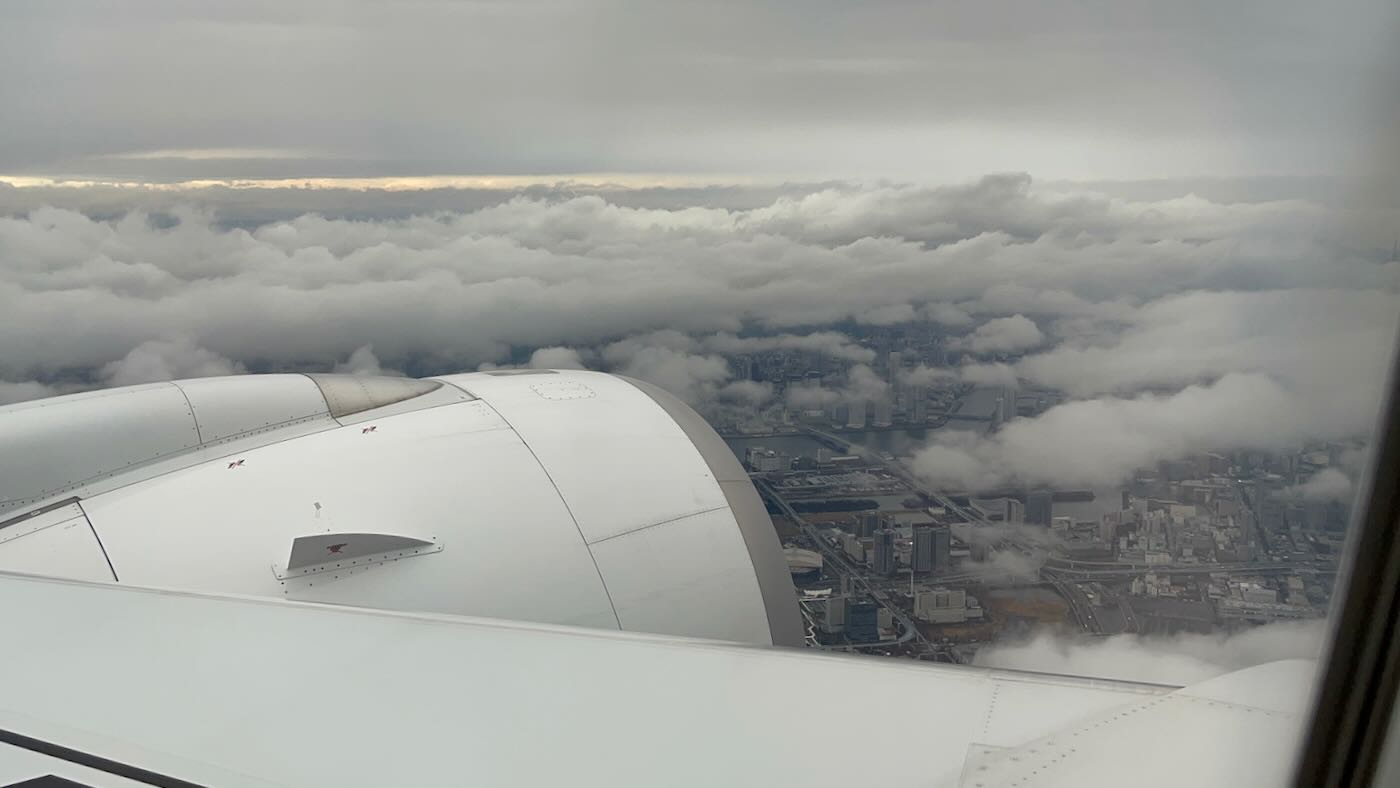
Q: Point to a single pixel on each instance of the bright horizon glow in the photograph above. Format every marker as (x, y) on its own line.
(401, 183)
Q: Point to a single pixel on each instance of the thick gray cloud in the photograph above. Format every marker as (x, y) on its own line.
(11, 392)
(166, 89)
(1174, 325)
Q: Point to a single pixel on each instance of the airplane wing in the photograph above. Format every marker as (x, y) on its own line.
(118, 685)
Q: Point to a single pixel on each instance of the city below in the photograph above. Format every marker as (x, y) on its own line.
(884, 563)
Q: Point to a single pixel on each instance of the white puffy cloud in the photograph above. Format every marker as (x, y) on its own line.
(1180, 660)
(1328, 484)
(1238, 369)
(1012, 297)
(692, 377)
(167, 359)
(830, 343)
(747, 392)
(862, 384)
(1097, 442)
(948, 314)
(926, 376)
(1127, 296)
(1004, 335)
(1327, 338)
(449, 291)
(556, 358)
(361, 362)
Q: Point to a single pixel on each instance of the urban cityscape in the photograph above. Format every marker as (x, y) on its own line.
(885, 563)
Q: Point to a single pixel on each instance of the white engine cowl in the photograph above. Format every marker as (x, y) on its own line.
(563, 497)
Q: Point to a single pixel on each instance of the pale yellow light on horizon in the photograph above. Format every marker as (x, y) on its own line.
(599, 181)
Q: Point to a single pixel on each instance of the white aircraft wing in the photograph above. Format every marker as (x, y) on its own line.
(119, 685)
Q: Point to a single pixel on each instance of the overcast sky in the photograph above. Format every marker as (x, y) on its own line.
(1204, 313)
(923, 91)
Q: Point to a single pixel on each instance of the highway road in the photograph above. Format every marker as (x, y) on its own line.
(845, 568)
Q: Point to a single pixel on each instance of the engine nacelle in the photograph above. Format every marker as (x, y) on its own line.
(565, 497)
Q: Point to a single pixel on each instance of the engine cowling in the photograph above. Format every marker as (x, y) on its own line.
(565, 497)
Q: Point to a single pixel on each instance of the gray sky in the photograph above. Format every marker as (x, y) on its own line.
(1208, 312)
(807, 89)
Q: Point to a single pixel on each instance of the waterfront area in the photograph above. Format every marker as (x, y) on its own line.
(892, 565)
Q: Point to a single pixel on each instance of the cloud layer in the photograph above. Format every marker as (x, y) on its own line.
(1173, 324)
(1180, 659)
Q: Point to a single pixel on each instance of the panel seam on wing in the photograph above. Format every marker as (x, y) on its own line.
(601, 580)
(668, 521)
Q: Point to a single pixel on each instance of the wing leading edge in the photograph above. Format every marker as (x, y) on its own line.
(219, 690)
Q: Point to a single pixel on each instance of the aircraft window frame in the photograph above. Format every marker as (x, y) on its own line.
(1360, 672)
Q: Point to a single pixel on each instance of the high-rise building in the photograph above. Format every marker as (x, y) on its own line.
(884, 552)
(918, 413)
(862, 622)
(751, 457)
(835, 614)
(836, 412)
(855, 417)
(884, 412)
(1038, 506)
(744, 367)
(853, 547)
(1108, 526)
(922, 557)
(867, 523)
(1015, 511)
(942, 548)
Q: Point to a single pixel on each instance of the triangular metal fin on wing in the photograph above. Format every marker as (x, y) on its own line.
(319, 550)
